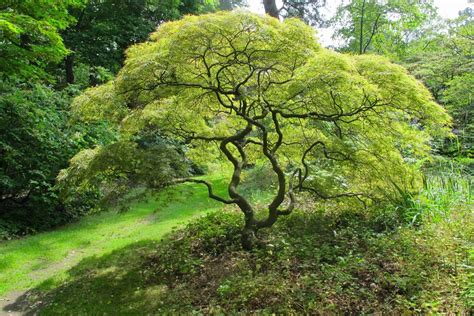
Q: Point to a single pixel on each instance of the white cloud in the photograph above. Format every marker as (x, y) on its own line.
(449, 8)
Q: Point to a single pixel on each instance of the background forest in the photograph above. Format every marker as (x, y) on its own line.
(69, 153)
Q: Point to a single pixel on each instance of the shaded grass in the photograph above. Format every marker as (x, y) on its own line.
(111, 284)
(25, 263)
(323, 259)
(312, 262)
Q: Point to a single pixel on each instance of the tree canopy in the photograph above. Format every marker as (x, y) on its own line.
(264, 90)
(104, 29)
(29, 36)
(443, 61)
(384, 27)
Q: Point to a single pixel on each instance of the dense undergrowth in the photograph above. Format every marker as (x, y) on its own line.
(323, 258)
(343, 261)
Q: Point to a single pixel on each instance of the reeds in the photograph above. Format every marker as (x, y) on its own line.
(446, 187)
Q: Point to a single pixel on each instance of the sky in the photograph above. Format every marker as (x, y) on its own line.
(446, 8)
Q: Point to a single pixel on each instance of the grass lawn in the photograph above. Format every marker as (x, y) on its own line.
(28, 262)
(341, 261)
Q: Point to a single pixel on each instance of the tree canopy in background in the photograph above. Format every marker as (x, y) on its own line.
(444, 62)
(37, 142)
(306, 10)
(383, 27)
(437, 52)
(29, 36)
(104, 29)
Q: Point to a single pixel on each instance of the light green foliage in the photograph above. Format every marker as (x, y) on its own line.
(117, 167)
(384, 27)
(29, 35)
(459, 94)
(141, 157)
(99, 103)
(444, 63)
(365, 120)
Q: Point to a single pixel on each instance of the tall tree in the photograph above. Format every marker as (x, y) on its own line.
(261, 90)
(29, 36)
(231, 4)
(444, 62)
(384, 27)
(307, 10)
(271, 8)
(105, 28)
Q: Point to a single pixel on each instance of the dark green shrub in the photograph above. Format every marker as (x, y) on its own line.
(36, 142)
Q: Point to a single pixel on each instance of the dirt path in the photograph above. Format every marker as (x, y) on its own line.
(18, 302)
(28, 262)
(15, 303)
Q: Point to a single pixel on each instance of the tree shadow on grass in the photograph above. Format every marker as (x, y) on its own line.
(109, 284)
(311, 263)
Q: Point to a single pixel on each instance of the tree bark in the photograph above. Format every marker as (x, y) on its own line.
(271, 8)
(361, 35)
(248, 238)
(69, 65)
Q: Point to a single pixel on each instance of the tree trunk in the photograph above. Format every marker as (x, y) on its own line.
(271, 8)
(361, 35)
(248, 238)
(69, 65)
